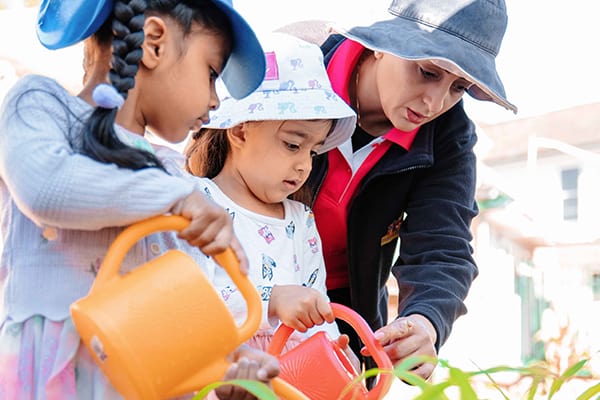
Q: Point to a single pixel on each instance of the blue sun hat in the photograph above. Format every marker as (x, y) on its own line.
(461, 36)
(62, 23)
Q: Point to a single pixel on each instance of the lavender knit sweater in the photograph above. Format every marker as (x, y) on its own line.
(45, 183)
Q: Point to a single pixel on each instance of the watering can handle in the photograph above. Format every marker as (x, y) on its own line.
(132, 234)
(364, 332)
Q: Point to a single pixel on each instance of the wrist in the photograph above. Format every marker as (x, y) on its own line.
(271, 309)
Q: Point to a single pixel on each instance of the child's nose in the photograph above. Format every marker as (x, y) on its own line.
(304, 163)
(213, 102)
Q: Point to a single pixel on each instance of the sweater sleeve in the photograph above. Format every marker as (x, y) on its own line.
(435, 267)
(56, 186)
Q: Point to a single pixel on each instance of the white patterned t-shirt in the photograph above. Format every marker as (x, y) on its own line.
(280, 252)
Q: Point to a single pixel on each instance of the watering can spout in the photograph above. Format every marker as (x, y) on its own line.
(203, 377)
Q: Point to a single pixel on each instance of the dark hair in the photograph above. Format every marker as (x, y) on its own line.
(206, 152)
(124, 29)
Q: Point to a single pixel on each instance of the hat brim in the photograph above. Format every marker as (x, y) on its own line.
(314, 104)
(411, 40)
(245, 68)
(63, 23)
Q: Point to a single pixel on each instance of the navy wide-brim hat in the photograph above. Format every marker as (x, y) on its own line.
(62, 23)
(462, 36)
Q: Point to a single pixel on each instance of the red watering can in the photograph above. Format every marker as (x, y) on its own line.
(320, 369)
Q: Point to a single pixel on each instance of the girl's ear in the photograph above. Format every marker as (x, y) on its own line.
(237, 135)
(155, 38)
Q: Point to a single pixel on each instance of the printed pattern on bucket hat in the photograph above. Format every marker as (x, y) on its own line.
(295, 87)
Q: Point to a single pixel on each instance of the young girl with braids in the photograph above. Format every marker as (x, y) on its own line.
(75, 170)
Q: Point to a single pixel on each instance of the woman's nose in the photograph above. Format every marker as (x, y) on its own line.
(435, 98)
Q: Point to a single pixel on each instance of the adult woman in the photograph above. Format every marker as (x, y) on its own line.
(409, 171)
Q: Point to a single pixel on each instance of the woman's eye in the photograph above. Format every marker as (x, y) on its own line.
(459, 87)
(428, 74)
(213, 75)
(313, 153)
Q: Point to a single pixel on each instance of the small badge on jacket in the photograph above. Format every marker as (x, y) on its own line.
(392, 231)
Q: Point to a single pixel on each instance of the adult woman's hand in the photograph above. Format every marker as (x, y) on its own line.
(408, 337)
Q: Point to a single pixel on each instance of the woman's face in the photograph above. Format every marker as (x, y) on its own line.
(413, 93)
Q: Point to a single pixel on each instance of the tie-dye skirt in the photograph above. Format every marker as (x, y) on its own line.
(42, 359)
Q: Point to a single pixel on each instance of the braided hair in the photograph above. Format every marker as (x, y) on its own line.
(126, 30)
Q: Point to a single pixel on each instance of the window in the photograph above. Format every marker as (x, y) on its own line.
(569, 184)
(532, 308)
(596, 286)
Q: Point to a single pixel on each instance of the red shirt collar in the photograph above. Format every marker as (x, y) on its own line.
(340, 69)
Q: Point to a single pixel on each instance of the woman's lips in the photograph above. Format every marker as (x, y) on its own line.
(414, 117)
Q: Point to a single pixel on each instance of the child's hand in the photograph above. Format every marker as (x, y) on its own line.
(210, 229)
(299, 307)
(251, 364)
(343, 341)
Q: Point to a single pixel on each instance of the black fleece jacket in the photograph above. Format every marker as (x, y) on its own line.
(431, 190)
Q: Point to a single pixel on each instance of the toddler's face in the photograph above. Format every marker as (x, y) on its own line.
(276, 158)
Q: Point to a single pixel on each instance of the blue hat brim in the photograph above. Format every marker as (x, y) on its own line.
(246, 66)
(63, 23)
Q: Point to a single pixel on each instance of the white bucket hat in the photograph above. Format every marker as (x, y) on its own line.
(296, 87)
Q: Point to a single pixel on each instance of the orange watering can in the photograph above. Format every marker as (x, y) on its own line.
(162, 330)
(320, 369)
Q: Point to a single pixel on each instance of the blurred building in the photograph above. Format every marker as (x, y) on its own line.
(537, 238)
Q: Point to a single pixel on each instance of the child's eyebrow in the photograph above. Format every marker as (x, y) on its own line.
(303, 135)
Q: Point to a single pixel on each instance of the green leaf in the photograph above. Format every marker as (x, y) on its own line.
(434, 392)
(258, 389)
(403, 370)
(590, 392)
(570, 372)
(534, 387)
(461, 380)
(358, 379)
